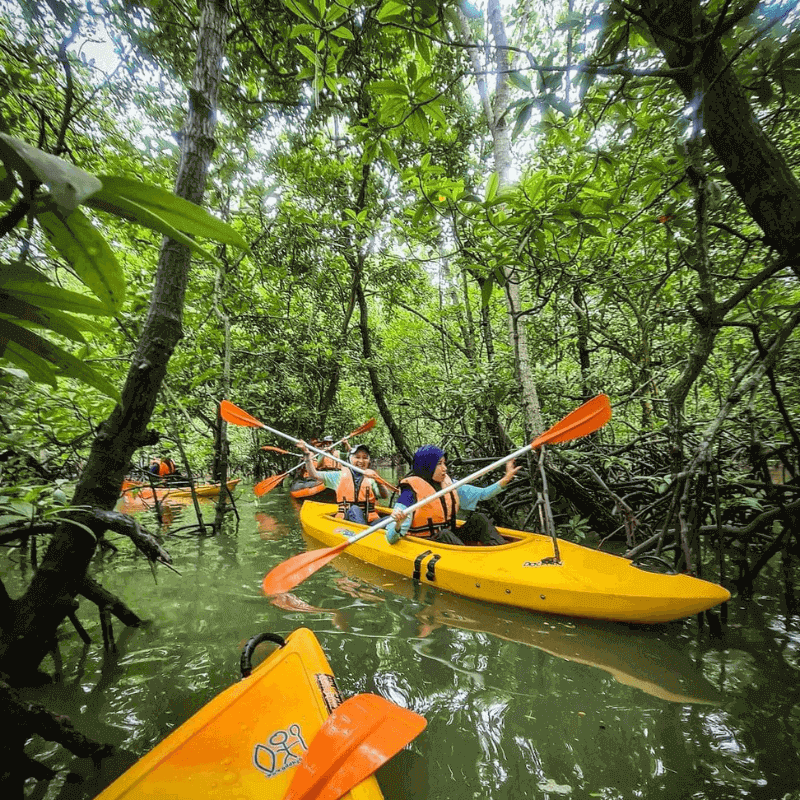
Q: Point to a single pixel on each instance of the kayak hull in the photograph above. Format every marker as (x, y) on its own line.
(246, 742)
(522, 573)
(309, 489)
(177, 492)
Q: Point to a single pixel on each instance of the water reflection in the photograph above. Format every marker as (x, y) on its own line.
(269, 527)
(635, 657)
(518, 705)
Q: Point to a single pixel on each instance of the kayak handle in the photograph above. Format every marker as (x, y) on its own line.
(245, 662)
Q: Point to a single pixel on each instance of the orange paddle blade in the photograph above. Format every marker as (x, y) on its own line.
(280, 450)
(268, 484)
(591, 416)
(296, 569)
(235, 415)
(367, 426)
(360, 735)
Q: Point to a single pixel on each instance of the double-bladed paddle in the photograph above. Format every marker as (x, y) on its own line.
(268, 484)
(591, 416)
(359, 736)
(237, 416)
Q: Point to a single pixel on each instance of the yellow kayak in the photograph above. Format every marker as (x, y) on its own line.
(522, 573)
(179, 492)
(249, 740)
(206, 490)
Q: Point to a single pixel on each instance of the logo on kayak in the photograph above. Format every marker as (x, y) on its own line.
(283, 750)
(329, 690)
(545, 562)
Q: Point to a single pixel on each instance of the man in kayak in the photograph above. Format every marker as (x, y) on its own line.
(437, 520)
(355, 492)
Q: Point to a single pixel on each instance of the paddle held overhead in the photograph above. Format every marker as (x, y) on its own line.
(237, 416)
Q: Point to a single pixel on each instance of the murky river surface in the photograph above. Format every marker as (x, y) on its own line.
(519, 705)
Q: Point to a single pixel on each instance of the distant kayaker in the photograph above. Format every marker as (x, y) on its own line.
(437, 520)
(167, 468)
(324, 462)
(355, 492)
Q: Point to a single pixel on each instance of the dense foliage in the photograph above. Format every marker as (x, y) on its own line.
(462, 220)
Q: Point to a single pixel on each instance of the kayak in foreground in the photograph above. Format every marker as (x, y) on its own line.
(250, 740)
(522, 573)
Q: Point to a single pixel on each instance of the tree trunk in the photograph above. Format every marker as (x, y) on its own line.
(753, 165)
(582, 330)
(27, 635)
(496, 110)
(377, 389)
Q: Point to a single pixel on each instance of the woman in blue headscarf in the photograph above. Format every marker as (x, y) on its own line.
(437, 519)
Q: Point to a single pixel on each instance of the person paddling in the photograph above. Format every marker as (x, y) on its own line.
(355, 492)
(437, 520)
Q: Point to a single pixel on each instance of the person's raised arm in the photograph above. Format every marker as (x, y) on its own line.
(311, 467)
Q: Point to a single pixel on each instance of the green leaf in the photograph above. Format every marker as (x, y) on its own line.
(302, 9)
(389, 154)
(37, 369)
(310, 55)
(534, 184)
(418, 123)
(17, 271)
(523, 115)
(175, 211)
(301, 29)
(521, 81)
(588, 229)
(69, 185)
(65, 363)
(52, 320)
(343, 33)
(492, 187)
(15, 373)
(6, 184)
(559, 105)
(333, 12)
(570, 21)
(88, 252)
(389, 88)
(391, 9)
(435, 112)
(49, 295)
(424, 48)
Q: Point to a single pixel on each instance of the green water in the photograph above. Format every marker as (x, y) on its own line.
(518, 705)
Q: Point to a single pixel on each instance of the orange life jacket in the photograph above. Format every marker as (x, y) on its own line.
(166, 467)
(327, 463)
(346, 495)
(433, 516)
